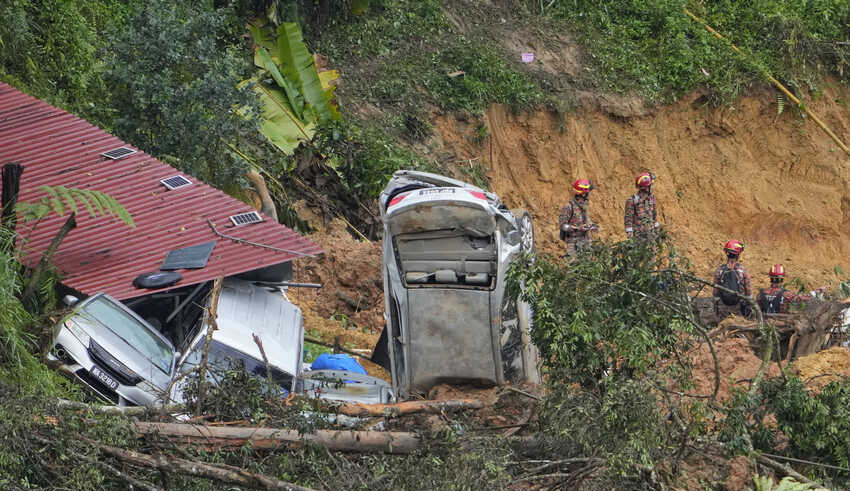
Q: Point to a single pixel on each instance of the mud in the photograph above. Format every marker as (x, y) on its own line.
(776, 182)
(737, 366)
(824, 367)
(350, 274)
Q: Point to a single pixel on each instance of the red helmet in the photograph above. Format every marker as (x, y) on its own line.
(734, 247)
(777, 271)
(582, 187)
(644, 180)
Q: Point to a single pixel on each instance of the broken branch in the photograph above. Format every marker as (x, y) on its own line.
(409, 407)
(223, 473)
(343, 440)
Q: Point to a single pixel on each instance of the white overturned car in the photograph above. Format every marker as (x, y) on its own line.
(446, 248)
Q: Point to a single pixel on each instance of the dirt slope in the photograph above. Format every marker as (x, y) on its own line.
(776, 182)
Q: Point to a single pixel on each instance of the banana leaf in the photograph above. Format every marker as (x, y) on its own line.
(263, 35)
(278, 123)
(296, 102)
(297, 64)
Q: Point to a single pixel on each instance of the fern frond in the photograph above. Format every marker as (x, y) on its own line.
(68, 196)
(780, 104)
(60, 198)
(94, 197)
(82, 196)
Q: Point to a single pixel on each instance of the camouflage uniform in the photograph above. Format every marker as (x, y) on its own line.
(641, 217)
(721, 309)
(575, 215)
(788, 297)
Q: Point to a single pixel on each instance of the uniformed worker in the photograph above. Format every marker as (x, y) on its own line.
(778, 300)
(575, 222)
(641, 217)
(735, 280)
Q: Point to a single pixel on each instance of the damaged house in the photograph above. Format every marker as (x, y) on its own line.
(144, 292)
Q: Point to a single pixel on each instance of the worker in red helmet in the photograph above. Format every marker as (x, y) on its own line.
(575, 223)
(778, 300)
(641, 217)
(734, 282)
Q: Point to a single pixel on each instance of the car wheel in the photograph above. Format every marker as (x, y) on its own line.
(526, 229)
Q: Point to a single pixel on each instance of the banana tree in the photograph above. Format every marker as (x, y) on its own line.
(294, 96)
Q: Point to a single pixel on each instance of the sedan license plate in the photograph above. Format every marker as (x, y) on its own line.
(106, 379)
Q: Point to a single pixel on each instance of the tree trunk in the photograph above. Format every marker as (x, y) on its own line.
(341, 440)
(28, 297)
(269, 209)
(410, 407)
(223, 473)
(11, 184)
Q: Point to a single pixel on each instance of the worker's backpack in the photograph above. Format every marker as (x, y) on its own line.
(771, 304)
(730, 281)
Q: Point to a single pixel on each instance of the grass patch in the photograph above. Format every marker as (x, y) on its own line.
(651, 46)
(400, 54)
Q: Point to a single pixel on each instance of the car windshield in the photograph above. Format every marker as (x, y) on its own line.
(224, 357)
(133, 332)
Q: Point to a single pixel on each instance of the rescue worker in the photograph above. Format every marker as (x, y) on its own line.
(733, 277)
(641, 218)
(575, 222)
(776, 299)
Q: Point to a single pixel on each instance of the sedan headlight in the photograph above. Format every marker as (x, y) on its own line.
(78, 332)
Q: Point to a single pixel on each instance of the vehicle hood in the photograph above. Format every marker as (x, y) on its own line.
(121, 350)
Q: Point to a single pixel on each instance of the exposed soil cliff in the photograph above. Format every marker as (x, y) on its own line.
(775, 181)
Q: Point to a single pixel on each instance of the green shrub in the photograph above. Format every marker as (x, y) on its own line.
(652, 47)
(817, 426)
(610, 311)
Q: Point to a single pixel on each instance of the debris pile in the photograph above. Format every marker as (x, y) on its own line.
(737, 366)
(824, 367)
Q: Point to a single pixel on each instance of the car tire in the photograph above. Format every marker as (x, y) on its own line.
(526, 228)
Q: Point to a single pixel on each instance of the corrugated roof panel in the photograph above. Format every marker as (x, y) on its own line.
(102, 254)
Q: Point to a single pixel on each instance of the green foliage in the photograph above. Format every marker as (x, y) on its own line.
(817, 425)
(607, 326)
(413, 50)
(607, 311)
(652, 47)
(15, 340)
(762, 483)
(173, 78)
(52, 50)
(622, 423)
(486, 79)
(364, 157)
(60, 200)
(297, 97)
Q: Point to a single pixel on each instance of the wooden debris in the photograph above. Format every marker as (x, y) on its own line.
(409, 407)
(222, 473)
(339, 440)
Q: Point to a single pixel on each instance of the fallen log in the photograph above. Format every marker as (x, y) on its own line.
(220, 472)
(341, 440)
(409, 407)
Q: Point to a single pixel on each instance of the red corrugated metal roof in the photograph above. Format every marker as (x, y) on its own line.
(103, 254)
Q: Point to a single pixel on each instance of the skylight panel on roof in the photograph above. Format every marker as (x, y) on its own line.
(118, 153)
(246, 218)
(175, 182)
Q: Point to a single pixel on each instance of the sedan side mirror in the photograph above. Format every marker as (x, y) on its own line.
(70, 300)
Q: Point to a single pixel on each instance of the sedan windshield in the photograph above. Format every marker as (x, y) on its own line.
(133, 332)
